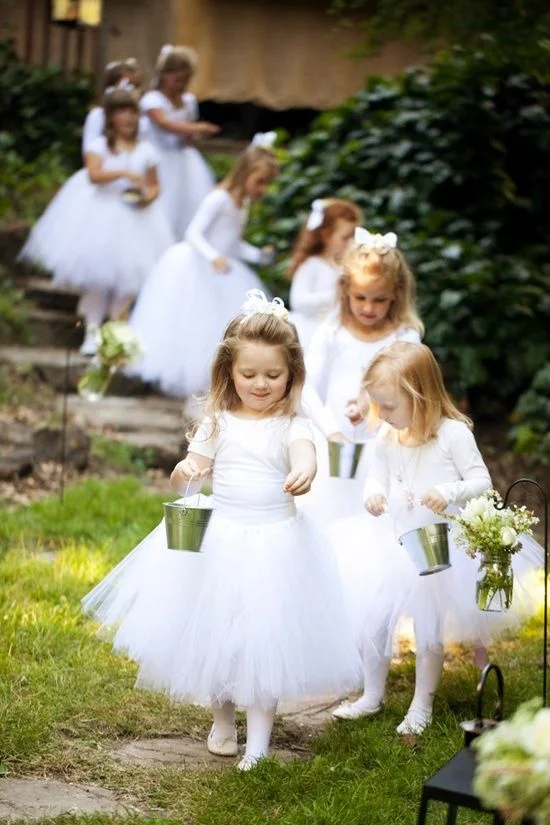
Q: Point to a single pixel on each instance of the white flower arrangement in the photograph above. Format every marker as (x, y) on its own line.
(513, 765)
(118, 346)
(491, 532)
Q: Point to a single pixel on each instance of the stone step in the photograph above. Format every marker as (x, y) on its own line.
(62, 369)
(55, 328)
(45, 294)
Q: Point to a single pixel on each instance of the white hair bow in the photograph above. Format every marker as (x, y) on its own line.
(112, 65)
(122, 84)
(373, 240)
(166, 49)
(256, 303)
(316, 216)
(264, 140)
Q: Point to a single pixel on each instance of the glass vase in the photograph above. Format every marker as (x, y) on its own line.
(94, 383)
(494, 583)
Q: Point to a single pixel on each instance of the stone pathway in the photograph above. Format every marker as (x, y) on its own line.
(32, 799)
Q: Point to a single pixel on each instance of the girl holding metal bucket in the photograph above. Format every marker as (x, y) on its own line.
(376, 307)
(257, 615)
(426, 462)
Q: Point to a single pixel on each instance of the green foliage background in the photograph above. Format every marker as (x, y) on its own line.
(456, 159)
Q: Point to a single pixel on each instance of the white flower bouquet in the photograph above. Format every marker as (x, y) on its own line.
(490, 532)
(118, 346)
(513, 765)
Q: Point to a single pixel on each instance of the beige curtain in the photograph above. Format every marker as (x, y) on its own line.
(278, 53)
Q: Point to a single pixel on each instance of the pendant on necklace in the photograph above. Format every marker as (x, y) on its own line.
(410, 499)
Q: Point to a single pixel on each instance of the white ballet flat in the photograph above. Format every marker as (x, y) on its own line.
(415, 722)
(247, 763)
(222, 747)
(353, 710)
(90, 343)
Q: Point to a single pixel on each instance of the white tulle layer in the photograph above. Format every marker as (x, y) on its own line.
(257, 616)
(90, 239)
(180, 317)
(185, 180)
(382, 586)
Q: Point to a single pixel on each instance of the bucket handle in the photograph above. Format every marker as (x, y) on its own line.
(480, 692)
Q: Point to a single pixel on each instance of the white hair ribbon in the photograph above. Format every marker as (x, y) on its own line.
(256, 303)
(373, 240)
(316, 216)
(112, 65)
(125, 84)
(264, 140)
(166, 49)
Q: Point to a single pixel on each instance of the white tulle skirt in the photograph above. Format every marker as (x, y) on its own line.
(185, 180)
(382, 586)
(90, 239)
(181, 315)
(255, 617)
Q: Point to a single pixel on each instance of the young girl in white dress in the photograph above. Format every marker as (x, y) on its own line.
(123, 74)
(315, 267)
(199, 284)
(89, 237)
(257, 616)
(173, 126)
(377, 307)
(426, 462)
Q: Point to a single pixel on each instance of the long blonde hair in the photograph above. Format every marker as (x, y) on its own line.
(253, 158)
(261, 328)
(412, 368)
(390, 264)
(313, 241)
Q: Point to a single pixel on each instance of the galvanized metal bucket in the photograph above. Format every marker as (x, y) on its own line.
(343, 459)
(428, 547)
(185, 525)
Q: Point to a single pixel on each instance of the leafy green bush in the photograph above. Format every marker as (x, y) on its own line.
(456, 160)
(39, 107)
(13, 312)
(531, 431)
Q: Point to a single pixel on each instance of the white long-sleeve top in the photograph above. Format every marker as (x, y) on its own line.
(217, 229)
(335, 363)
(313, 295)
(450, 463)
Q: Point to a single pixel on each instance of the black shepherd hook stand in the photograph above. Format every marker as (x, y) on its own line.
(64, 412)
(544, 498)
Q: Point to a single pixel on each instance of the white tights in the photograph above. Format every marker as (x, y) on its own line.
(97, 304)
(259, 724)
(429, 666)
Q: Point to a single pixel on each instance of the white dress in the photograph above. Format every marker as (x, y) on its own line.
(185, 304)
(312, 295)
(184, 175)
(94, 127)
(90, 239)
(257, 615)
(335, 364)
(381, 583)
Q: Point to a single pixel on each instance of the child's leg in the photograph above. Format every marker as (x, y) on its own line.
(259, 724)
(222, 739)
(429, 667)
(92, 306)
(481, 658)
(375, 673)
(119, 307)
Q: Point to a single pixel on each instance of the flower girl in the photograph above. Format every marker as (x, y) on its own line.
(173, 114)
(199, 284)
(315, 268)
(257, 615)
(104, 230)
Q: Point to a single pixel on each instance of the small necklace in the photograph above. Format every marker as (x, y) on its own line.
(402, 474)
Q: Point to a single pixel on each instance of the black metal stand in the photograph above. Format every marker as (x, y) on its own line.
(544, 498)
(64, 417)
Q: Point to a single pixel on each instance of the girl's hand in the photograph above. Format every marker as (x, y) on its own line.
(434, 501)
(298, 482)
(267, 255)
(187, 470)
(221, 264)
(133, 177)
(376, 505)
(338, 438)
(202, 129)
(354, 413)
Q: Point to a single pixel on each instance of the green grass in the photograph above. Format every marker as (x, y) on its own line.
(66, 701)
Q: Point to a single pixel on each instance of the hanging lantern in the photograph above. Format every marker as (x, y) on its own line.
(77, 12)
